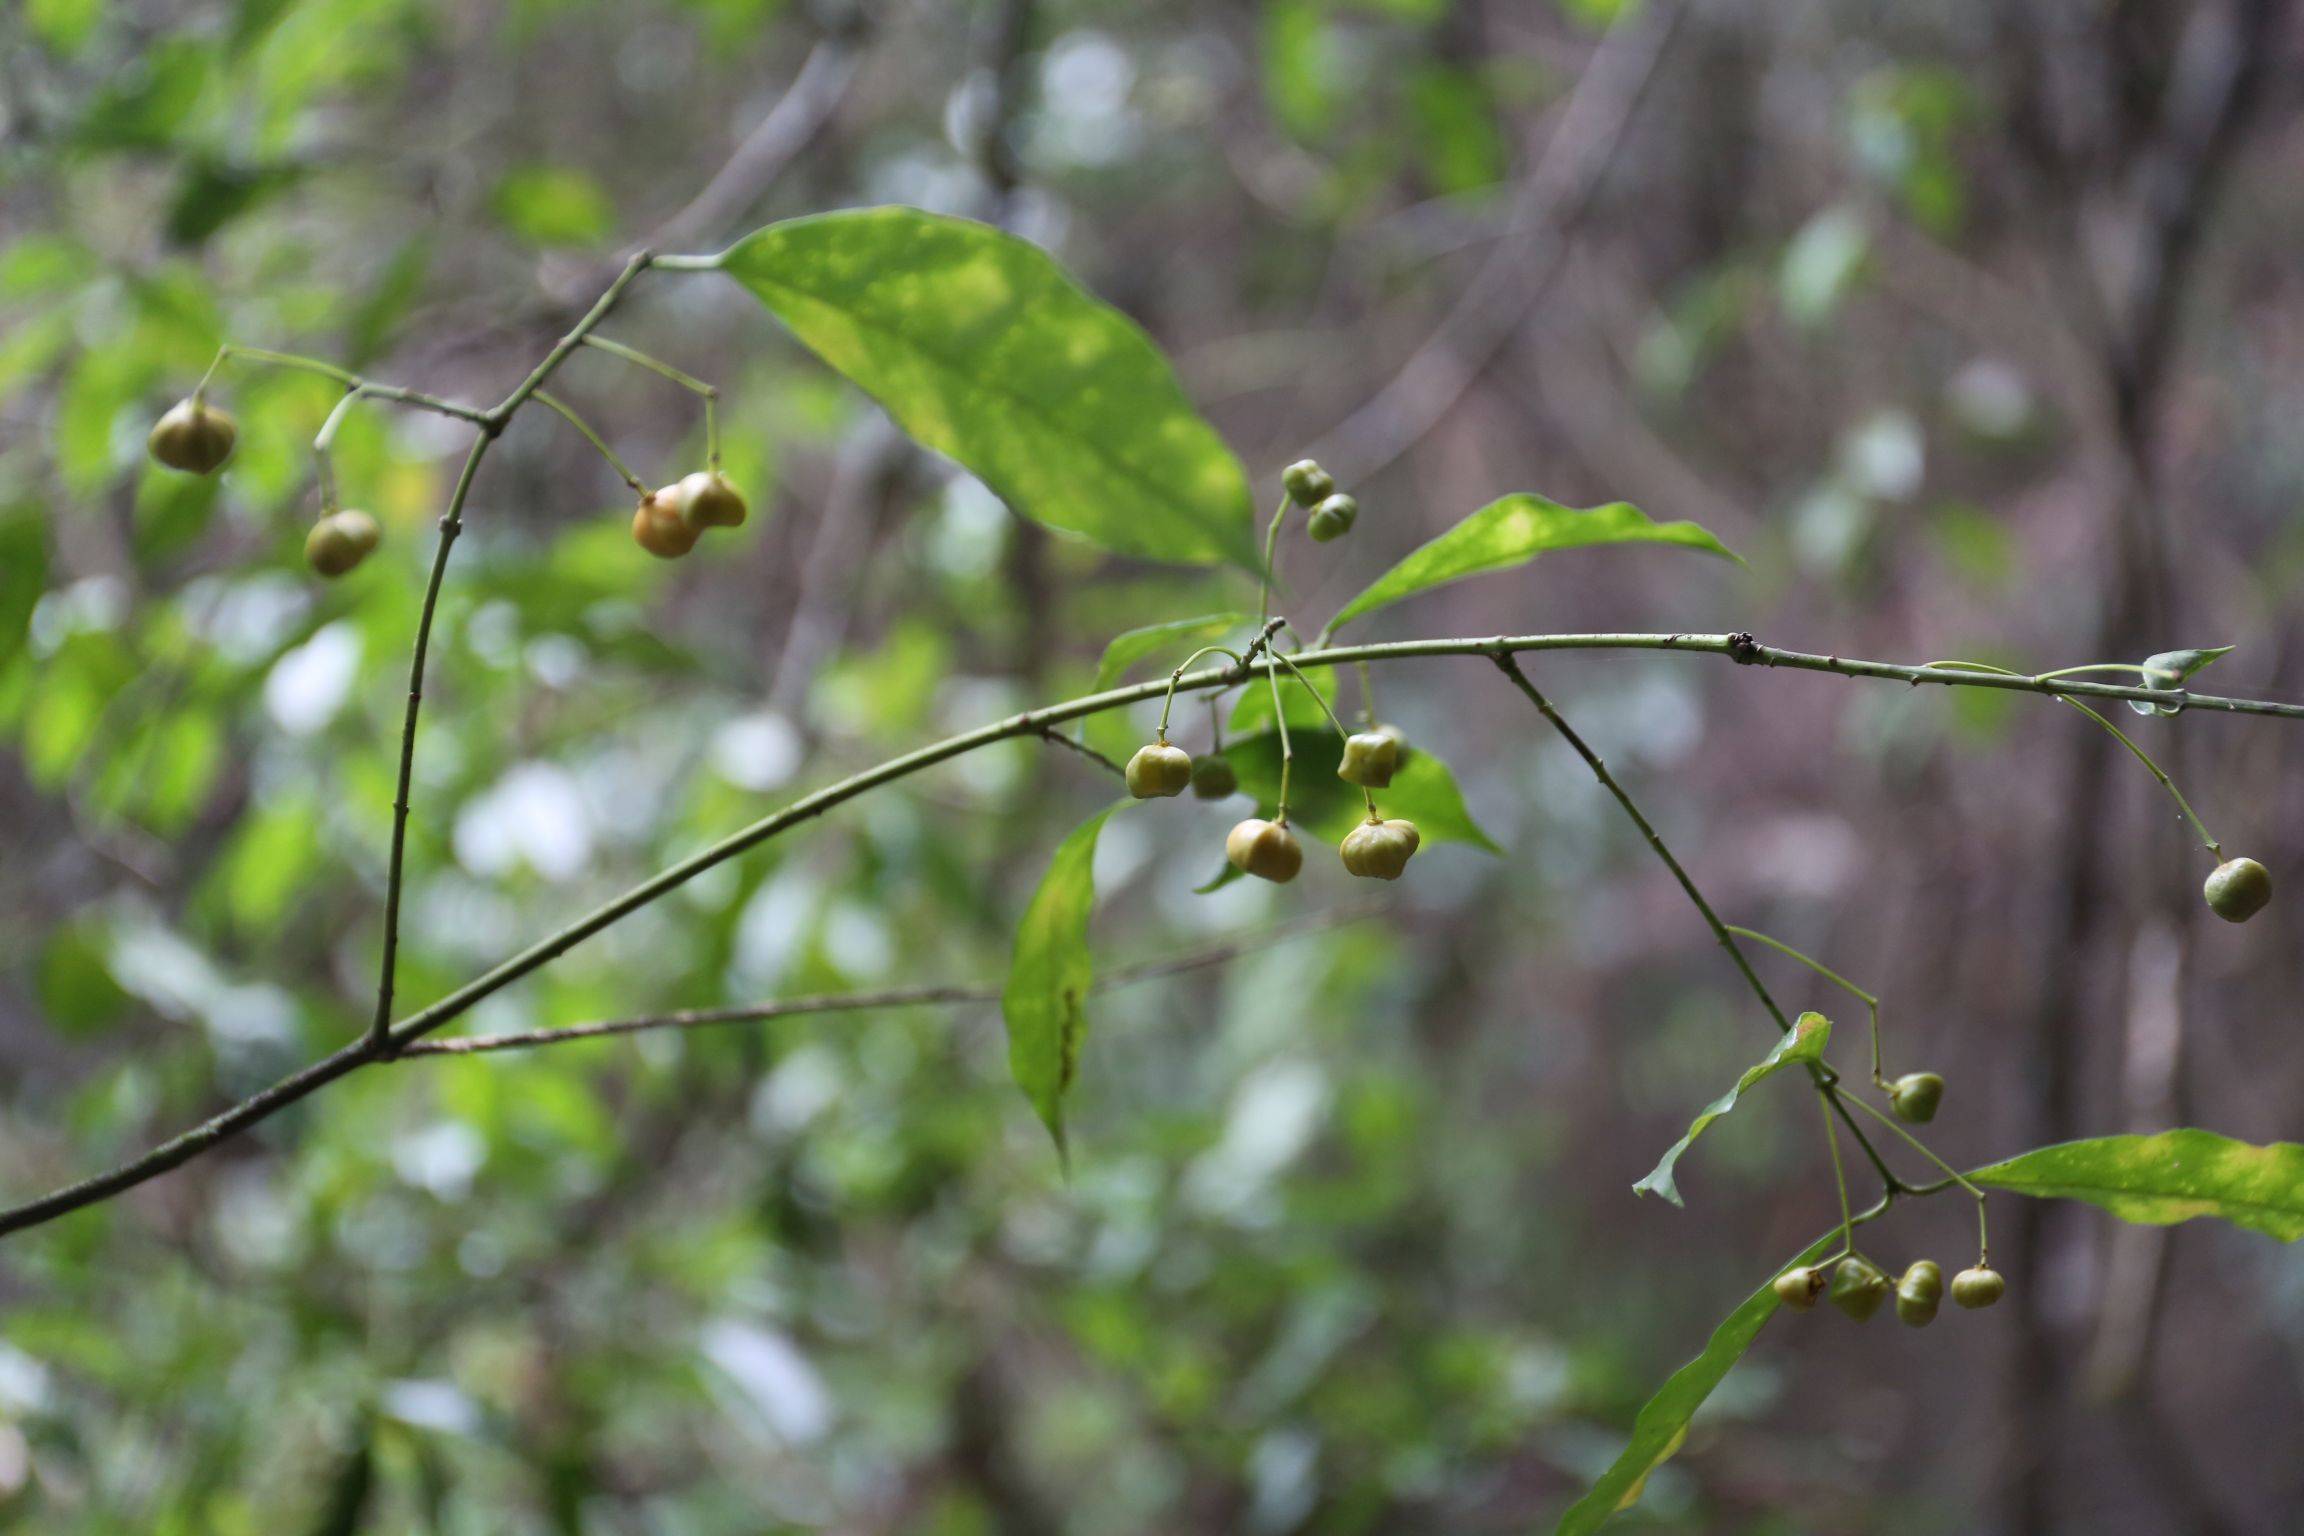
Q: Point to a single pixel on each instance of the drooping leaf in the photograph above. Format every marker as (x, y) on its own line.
(2170, 669)
(1046, 1000)
(1322, 805)
(1661, 1426)
(2171, 1177)
(984, 350)
(1513, 531)
(1803, 1043)
(1134, 645)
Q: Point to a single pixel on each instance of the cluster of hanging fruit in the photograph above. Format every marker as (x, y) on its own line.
(1857, 1286)
(1378, 848)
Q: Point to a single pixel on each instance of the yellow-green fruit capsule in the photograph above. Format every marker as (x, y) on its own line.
(1978, 1287)
(1370, 759)
(1213, 778)
(707, 500)
(1380, 850)
(1858, 1287)
(1919, 1293)
(1265, 849)
(658, 527)
(340, 541)
(2238, 889)
(1915, 1096)
(192, 436)
(1159, 769)
(1799, 1287)
(1307, 483)
(1333, 518)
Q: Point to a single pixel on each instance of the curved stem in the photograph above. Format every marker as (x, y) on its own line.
(568, 415)
(2094, 666)
(663, 369)
(343, 376)
(451, 524)
(1341, 731)
(1871, 1003)
(2207, 841)
(1367, 695)
(1280, 718)
(1271, 553)
(1169, 703)
(1952, 1176)
(1839, 1171)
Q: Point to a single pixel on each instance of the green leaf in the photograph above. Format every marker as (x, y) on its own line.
(1801, 1044)
(1662, 1423)
(2171, 1177)
(1128, 649)
(1046, 999)
(1322, 805)
(984, 350)
(1513, 531)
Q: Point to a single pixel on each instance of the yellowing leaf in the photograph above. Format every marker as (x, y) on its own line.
(2171, 1177)
(984, 350)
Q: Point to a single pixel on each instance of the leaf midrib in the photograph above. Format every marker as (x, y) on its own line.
(1117, 467)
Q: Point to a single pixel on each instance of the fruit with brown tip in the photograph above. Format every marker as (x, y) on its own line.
(1799, 1287)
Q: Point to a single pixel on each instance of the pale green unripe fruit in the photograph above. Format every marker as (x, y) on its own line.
(1920, 1292)
(1859, 1287)
(2238, 889)
(1380, 850)
(1157, 770)
(192, 436)
(1265, 849)
(1978, 1287)
(340, 541)
(1213, 778)
(1915, 1096)
(1307, 483)
(1799, 1287)
(707, 500)
(658, 527)
(1333, 518)
(1370, 759)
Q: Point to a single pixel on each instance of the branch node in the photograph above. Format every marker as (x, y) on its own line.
(1743, 649)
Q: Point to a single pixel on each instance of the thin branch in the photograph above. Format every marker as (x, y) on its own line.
(1826, 1080)
(1057, 738)
(947, 995)
(1741, 648)
(451, 524)
(378, 1041)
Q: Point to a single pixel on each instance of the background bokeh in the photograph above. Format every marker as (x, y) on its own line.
(1976, 328)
